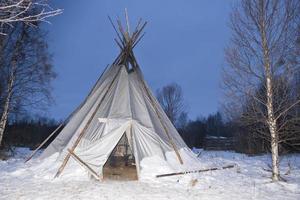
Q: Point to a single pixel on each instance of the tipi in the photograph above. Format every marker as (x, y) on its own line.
(121, 120)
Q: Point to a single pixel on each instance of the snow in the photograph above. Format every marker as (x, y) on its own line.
(250, 179)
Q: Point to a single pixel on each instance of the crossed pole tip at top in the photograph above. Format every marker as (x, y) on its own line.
(125, 38)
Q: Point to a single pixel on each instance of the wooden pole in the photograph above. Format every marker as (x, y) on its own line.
(86, 166)
(121, 59)
(42, 144)
(116, 30)
(61, 168)
(127, 22)
(159, 117)
(195, 171)
(137, 34)
(67, 119)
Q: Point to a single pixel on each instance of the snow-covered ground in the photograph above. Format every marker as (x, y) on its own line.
(250, 179)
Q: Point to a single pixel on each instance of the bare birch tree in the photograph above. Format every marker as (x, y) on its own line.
(25, 11)
(170, 98)
(25, 70)
(260, 57)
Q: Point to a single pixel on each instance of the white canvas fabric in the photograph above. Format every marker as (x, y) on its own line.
(125, 106)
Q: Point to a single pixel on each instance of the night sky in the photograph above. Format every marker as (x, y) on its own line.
(184, 43)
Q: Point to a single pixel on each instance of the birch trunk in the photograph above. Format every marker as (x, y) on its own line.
(271, 120)
(261, 71)
(5, 113)
(273, 131)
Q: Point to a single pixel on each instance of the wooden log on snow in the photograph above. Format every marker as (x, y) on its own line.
(194, 171)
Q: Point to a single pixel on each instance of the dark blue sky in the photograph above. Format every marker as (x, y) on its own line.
(184, 43)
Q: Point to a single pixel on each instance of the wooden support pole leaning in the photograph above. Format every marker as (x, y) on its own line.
(159, 117)
(61, 168)
(195, 171)
(42, 144)
(66, 120)
(86, 166)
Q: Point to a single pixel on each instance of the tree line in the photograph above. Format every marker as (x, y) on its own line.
(29, 132)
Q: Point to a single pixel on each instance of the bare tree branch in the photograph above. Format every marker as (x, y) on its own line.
(27, 11)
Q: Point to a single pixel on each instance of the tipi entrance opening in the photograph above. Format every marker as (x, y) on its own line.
(120, 165)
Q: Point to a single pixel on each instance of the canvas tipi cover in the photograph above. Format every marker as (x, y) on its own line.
(121, 103)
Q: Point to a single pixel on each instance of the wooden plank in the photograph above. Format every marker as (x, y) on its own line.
(86, 166)
(195, 171)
